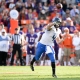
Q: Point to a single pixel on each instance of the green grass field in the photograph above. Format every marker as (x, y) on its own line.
(40, 73)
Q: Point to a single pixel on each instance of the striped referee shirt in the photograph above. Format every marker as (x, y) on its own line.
(17, 38)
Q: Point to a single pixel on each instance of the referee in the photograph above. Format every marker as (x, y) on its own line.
(17, 40)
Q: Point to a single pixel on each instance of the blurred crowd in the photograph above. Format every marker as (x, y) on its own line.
(34, 15)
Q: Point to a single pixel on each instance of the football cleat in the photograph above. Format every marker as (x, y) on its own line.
(32, 68)
(54, 76)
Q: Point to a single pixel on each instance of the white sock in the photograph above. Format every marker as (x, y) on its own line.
(49, 62)
(64, 63)
(69, 63)
(42, 63)
(45, 62)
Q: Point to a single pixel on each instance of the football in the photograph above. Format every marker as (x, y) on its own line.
(59, 6)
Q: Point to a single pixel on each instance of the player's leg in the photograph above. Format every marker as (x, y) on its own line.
(39, 50)
(50, 53)
(33, 53)
(28, 57)
(65, 56)
(68, 56)
(12, 57)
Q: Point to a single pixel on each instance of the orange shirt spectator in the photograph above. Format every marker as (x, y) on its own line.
(35, 14)
(68, 41)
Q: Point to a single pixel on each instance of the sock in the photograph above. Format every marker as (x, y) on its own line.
(53, 67)
(69, 63)
(42, 63)
(49, 62)
(45, 62)
(33, 60)
(64, 63)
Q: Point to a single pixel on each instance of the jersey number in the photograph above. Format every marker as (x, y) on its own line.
(31, 39)
(54, 37)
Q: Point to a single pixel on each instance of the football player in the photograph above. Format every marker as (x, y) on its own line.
(31, 42)
(46, 42)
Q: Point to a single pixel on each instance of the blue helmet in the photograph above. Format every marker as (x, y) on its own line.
(57, 22)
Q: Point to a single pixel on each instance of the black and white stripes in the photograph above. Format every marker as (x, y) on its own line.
(17, 38)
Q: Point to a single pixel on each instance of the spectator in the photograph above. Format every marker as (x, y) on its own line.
(43, 1)
(54, 14)
(66, 15)
(70, 6)
(76, 43)
(18, 6)
(79, 9)
(74, 11)
(77, 18)
(34, 4)
(69, 25)
(11, 5)
(42, 15)
(5, 19)
(67, 43)
(31, 42)
(39, 7)
(4, 47)
(19, 2)
(70, 2)
(45, 7)
(36, 26)
(51, 7)
(62, 26)
(30, 15)
(35, 14)
(64, 5)
(22, 15)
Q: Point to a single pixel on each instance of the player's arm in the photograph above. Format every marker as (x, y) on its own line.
(60, 39)
(40, 37)
(49, 26)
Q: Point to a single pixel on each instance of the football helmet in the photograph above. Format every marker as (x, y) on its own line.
(57, 22)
